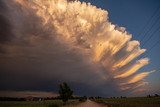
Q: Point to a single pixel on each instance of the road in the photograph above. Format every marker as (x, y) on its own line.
(88, 103)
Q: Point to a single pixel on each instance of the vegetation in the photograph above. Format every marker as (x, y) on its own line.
(130, 102)
(46, 103)
(82, 99)
(110, 102)
(65, 92)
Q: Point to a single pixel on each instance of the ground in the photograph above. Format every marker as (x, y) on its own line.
(107, 102)
(131, 102)
(88, 103)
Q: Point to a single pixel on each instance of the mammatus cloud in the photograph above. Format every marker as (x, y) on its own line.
(59, 40)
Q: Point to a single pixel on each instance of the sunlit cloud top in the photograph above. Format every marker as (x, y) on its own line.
(58, 27)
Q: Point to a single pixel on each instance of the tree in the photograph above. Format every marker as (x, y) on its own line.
(156, 95)
(65, 92)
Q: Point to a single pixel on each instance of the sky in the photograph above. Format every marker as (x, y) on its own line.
(141, 19)
(97, 48)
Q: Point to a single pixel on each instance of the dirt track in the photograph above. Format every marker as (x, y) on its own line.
(88, 103)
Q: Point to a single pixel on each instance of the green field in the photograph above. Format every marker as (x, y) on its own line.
(48, 103)
(131, 102)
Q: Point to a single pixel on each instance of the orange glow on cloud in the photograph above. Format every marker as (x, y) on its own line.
(139, 77)
(86, 27)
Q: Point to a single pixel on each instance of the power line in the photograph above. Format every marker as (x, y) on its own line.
(152, 26)
(144, 44)
(150, 29)
(156, 43)
(148, 22)
(151, 36)
(152, 47)
(153, 23)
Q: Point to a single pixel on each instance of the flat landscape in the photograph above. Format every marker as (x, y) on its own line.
(47, 103)
(131, 102)
(105, 102)
(79, 53)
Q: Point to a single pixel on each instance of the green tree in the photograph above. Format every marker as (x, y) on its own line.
(65, 92)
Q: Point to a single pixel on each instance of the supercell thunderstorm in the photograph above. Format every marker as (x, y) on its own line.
(81, 29)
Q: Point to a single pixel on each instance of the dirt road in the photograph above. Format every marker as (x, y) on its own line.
(88, 103)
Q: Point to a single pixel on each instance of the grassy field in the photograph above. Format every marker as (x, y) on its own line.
(131, 102)
(48, 103)
(110, 102)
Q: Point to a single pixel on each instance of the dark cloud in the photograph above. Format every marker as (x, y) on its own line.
(3, 7)
(6, 33)
(38, 56)
(36, 59)
(5, 29)
(5, 25)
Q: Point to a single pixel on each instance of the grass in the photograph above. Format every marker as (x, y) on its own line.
(131, 102)
(48, 103)
(110, 102)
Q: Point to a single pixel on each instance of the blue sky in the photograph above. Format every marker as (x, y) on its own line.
(135, 16)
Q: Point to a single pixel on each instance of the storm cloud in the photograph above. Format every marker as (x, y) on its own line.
(44, 43)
